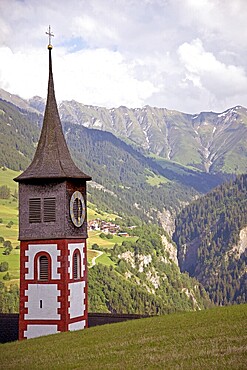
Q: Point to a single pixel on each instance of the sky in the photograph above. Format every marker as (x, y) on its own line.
(187, 55)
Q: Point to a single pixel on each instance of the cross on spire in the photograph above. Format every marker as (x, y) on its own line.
(50, 34)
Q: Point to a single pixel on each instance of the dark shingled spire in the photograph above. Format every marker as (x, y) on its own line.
(52, 159)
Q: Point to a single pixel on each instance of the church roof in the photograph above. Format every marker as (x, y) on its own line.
(52, 159)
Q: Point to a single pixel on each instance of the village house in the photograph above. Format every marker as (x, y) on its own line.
(104, 226)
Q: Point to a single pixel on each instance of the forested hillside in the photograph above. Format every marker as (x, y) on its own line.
(131, 178)
(19, 132)
(211, 235)
(145, 280)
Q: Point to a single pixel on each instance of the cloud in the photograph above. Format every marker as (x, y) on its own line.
(97, 77)
(21, 73)
(206, 72)
(188, 55)
(102, 78)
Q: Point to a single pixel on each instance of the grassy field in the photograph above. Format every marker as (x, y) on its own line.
(210, 339)
(9, 212)
(13, 260)
(90, 255)
(156, 180)
(9, 207)
(6, 178)
(104, 259)
(94, 238)
(93, 214)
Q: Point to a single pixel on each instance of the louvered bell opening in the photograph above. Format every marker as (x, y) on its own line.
(43, 268)
(76, 266)
(49, 209)
(34, 210)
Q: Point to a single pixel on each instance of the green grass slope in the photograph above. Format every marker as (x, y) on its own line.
(9, 207)
(210, 339)
(9, 212)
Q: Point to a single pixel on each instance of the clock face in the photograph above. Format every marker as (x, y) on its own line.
(77, 209)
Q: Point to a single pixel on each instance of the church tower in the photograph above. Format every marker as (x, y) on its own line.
(53, 233)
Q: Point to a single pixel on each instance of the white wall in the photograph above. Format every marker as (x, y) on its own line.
(48, 294)
(77, 325)
(76, 298)
(34, 331)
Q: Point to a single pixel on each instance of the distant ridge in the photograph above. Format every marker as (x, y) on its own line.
(211, 142)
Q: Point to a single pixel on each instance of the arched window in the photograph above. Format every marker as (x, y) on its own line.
(76, 265)
(43, 268)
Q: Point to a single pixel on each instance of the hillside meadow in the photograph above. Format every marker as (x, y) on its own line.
(9, 207)
(209, 339)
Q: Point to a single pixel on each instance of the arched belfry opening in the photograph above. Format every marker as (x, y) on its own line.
(53, 232)
(76, 265)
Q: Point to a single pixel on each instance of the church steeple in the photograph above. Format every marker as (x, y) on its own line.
(52, 233)
(52, 158)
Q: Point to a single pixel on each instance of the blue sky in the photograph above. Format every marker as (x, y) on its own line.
(188, 55)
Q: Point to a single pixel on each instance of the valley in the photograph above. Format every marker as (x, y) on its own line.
(152, 169)
(151, 284)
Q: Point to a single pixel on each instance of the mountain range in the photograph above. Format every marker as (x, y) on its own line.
(154, 158)
(123, 173)
(211, 142)
(208, 141)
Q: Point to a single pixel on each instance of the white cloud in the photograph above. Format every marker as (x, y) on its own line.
(98, 77)
(205, 71)
(22, 73)
(102, 78)
(220, 23)
(128, 52)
